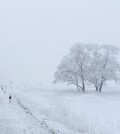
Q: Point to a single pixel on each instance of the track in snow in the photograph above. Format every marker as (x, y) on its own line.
(17, 120)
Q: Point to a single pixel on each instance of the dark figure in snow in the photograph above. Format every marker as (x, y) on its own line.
(2, 88)
(10, 98)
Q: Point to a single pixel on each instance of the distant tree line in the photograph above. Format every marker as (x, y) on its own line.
(89, 63)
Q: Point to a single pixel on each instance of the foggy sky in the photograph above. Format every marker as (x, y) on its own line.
(36, 34)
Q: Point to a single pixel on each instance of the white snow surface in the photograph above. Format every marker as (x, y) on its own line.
(14, 120)
(59, 112)
(23, 116)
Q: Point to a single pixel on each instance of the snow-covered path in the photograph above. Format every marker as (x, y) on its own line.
(19, 117)
(14, 120)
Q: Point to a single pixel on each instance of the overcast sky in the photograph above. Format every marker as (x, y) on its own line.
(36, 34)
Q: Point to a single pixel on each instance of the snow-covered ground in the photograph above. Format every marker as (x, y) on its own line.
(23, 116)
(14, 120)
(45, 111)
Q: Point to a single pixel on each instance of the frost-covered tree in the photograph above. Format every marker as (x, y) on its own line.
(74, 68)
(104, 65)
(92, 63)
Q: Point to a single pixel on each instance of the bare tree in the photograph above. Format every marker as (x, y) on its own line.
(104, 66)
(80, 55)
(92, 63)
(74, 68)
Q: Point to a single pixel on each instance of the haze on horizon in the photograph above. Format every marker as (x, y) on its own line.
(35, 35)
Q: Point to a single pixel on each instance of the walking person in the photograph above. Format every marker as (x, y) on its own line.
(10, 98)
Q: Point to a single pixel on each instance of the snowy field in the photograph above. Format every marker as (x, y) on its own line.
(60, 112)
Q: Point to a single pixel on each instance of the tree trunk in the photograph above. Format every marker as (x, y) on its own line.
(100, 88)
(96, 89)
(83, 87)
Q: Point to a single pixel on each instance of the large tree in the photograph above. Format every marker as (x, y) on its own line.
(74, 68)
(92, 63)
(104, 65)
